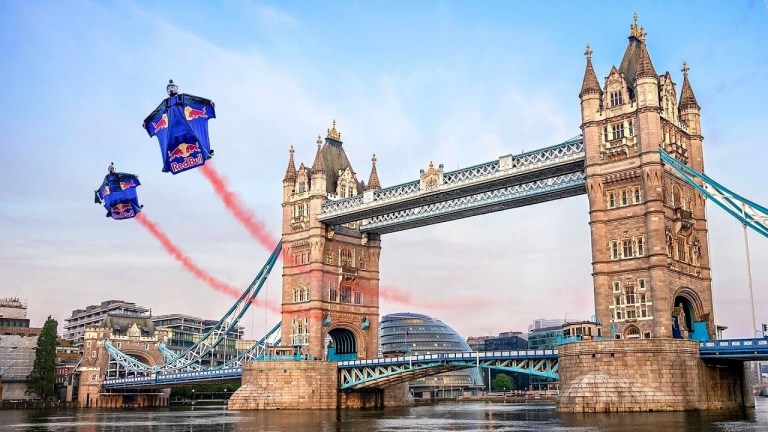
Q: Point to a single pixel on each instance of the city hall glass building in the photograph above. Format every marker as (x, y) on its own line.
(413, 334)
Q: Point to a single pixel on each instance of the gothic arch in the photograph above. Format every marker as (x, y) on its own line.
(347, 339)
(687, 295)
(631, 332)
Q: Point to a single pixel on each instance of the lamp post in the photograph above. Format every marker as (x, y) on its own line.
(749, 270)
(193, 396)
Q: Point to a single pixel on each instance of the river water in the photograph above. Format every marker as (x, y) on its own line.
(452, 416)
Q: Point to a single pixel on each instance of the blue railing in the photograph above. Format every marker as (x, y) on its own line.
(743, 349)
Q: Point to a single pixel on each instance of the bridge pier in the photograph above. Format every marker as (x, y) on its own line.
(306, 385)
(647, 375)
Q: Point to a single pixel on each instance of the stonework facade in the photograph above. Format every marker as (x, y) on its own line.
(650, 253)
(647, 375)
(134, 336)
(307, 385)
(330, 274)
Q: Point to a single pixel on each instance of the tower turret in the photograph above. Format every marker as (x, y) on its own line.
(289, 181)
(373, 180)
(690, 116)
(318, 171)
(591, 94)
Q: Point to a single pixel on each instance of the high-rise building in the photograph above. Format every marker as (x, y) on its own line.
(186, 330)
(95, 315)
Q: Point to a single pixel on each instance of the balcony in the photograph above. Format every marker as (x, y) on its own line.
(619, 148)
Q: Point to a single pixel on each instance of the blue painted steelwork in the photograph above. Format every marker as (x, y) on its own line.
(466, 191)
(160, 379)
(735, 349)
(190, 360)
(535, 192)
(747, 212)
(384, 372)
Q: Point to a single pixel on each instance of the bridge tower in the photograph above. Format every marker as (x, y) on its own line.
(650, 254)
(330, 303)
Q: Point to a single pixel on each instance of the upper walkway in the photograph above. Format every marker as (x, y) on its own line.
(511, 181)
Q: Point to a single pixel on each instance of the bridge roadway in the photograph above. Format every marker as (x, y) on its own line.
(382, 372)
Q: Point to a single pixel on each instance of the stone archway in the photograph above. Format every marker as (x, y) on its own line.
(631, 332)
(115, 370)
(687, 316)
(343, 344)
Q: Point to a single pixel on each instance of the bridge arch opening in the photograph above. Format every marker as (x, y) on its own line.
(342, 345)
(688, 322)
(117, 370)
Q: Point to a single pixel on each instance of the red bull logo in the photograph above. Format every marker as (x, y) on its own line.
(122, 211)
(192, 113)
(161, 124)
(183, 151)
(127, 184)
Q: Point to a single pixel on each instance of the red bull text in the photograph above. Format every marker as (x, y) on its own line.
(122, 211)
(184, 152)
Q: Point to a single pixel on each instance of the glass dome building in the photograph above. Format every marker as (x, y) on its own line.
(413, 334)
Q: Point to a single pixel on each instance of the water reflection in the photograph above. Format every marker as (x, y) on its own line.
(464, 417)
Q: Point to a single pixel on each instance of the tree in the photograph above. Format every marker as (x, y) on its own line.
(503, 382)
(43, 376)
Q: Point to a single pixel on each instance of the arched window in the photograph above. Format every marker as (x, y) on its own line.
(361, 262)
(300, 327)
(676, 197)
(630, 295)
(346, 258)
(632, 332)
(302, 187)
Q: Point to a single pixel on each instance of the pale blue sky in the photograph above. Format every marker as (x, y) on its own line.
(459, 83)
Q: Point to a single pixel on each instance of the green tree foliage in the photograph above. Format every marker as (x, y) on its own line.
(43, 376)
(502, 382)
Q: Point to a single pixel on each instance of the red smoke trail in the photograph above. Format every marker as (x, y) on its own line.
(196, 271)
(245, 216)
(395, 295)
(258, 230)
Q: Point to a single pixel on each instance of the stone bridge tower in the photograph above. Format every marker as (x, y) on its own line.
(330, 303)
(135, 336)
(650, 255)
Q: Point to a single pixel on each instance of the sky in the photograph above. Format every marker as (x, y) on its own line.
(457, 83)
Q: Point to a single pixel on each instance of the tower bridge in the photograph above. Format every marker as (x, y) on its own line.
(639, 160)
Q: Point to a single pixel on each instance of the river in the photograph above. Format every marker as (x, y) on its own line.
(448, 416)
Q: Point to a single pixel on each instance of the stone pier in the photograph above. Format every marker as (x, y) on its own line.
(306, 385)
(647, 375)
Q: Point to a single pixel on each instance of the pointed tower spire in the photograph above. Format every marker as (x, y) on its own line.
(590, 83)
(319, 165)
(373, 180)
(645, 67)
(687, 98)
(290, 172)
